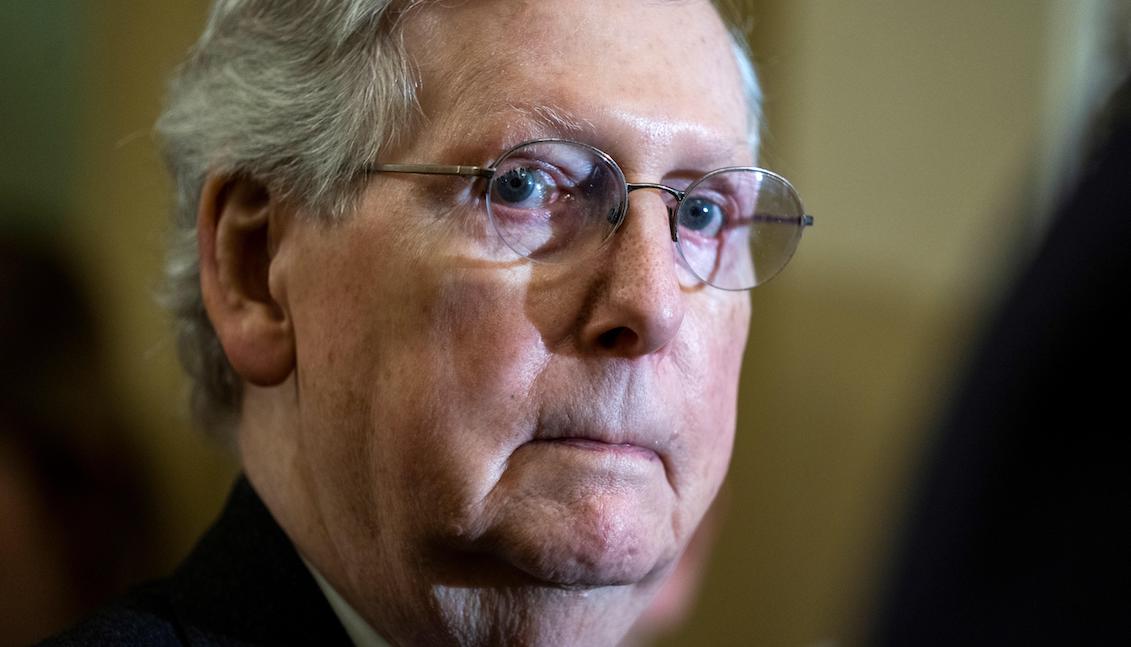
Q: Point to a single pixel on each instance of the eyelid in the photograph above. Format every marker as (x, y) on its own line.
(553, 171)
(530, 133)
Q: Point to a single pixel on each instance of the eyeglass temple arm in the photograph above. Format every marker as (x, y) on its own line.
(432, 169)
(805, 220)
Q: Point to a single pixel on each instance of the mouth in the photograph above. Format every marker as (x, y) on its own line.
(589, 444)
(584, 433)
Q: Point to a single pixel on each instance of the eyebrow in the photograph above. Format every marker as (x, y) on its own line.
(546, 120)
(552, 118)
(525, 120)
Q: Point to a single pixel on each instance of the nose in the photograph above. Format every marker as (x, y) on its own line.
(637, 305)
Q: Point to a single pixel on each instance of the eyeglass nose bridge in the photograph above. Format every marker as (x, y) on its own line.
(673, 228)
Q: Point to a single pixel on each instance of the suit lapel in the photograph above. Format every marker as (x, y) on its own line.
(244, 584)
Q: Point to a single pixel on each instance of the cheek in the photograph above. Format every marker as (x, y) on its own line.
(488, 345)
(453, 400)
(726, 344)
(413, 373)
(474, 366)
(710, 363)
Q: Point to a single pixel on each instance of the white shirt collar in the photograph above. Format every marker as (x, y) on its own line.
(360, 632)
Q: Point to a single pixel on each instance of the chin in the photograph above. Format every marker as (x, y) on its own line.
(595, 542)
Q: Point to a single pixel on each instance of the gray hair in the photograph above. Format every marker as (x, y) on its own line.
(300, 95)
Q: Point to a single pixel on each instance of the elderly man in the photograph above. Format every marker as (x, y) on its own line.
(480, 395)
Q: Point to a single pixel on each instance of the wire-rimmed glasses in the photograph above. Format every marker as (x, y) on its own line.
(549, 199)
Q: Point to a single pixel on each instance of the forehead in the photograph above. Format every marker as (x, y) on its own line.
(625, 73)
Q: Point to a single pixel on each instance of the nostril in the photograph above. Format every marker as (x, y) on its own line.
(618, 337)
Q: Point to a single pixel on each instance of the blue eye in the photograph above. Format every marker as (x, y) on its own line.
(701, 216)
(517, 185)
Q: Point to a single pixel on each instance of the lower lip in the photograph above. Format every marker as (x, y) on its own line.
(591, 445)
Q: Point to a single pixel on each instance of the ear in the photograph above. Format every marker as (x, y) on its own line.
(237, 229)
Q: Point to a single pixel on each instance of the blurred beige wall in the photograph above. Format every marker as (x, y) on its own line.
(915, 132)
(117, 226)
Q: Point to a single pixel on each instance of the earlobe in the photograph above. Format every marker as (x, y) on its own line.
(237, 247)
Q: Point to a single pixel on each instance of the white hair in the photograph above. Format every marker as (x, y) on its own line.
(300, 95)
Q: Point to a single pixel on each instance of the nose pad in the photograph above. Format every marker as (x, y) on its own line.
(616, 214)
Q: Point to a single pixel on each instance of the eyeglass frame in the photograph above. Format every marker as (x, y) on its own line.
(465, 170)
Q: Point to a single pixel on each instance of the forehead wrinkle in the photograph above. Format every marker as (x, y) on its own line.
(458, 86)
(630, 138)
(502, 121)
(625, 133)
(449, 90)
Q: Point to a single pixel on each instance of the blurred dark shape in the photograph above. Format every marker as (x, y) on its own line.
(1017, 533)
(77, 515)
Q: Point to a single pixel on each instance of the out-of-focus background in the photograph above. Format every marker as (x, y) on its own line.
(930, 140)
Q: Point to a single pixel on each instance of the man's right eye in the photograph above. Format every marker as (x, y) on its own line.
(521, 187)
(702, 216)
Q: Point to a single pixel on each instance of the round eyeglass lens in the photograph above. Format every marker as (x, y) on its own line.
(739, 227)
(550, 198)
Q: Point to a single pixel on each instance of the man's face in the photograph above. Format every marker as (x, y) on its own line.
(469, 418)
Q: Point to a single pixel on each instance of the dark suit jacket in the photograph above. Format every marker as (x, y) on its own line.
(1015, 536)
(243, 584)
